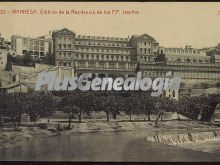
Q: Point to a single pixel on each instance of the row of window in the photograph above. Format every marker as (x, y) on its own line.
(101, 65)
(65, 38)
(189, 60)
(41, 43)
(94, 57)
(182, 51)
(64, 46)
(33, 52)
(188, 67)
(93, 37)
(69, 46)
(145, 43)
(103, 43)
(146, 58)
(125, 51)
(192, 64)
(129, 66)
(145, 50)
(198, 74)
(102, 38)
(37, 48)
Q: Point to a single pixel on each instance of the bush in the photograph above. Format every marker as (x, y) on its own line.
(59, 127)
(8, 66)
(42, 125)
(204, 85)
(191, 107)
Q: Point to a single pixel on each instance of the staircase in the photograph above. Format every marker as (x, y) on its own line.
(185, 138)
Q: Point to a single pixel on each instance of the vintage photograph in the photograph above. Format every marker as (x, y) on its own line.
(110, 81)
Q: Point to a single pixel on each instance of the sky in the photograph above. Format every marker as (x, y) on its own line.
(172, 24)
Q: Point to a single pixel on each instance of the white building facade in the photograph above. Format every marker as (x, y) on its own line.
(187, 54)
(35, 47)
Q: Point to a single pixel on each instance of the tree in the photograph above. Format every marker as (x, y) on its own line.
(10, 58)
(159, 111)
(82, 100)
(27, 60)
(71, 110)
(182, 85)
(2, 107)
(207, 106)
(147, 104)
(39, 104)
(11, 106)
(192, 107)
(35, 104)
(170, 105)
(118, 105)
(105, 102)
(161, 58)
(174, 107)
(19, 60)
(48, 104)
(8, 66)
(98, 102)
(204, 85)
(49, 58)
(130, 105)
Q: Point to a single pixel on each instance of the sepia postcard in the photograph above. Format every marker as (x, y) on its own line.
(110, 81)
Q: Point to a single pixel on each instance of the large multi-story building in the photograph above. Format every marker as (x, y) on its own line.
(114, 55)
(190, 64)
(35, 47)
(214, 54)
(145, 48)
(187, 54)
(102, 54)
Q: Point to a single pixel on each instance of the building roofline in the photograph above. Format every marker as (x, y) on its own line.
(33, 38)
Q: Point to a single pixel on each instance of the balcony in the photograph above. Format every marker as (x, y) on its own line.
(105, 66)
